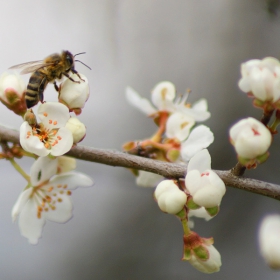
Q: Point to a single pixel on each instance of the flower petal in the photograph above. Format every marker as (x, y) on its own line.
(179, 125)
(64, 144)
(200, 138)
(148, 179)
(201, 161)
(63, 209)
(163, 95)
(53, 114)
(139, 102)
(42, 170)
(20, 203)
(72, 180)
(29, 224)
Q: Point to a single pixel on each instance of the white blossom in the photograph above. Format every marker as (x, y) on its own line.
(148, 179)
(205, 186)
(164, 99)
(77, 128)
(169, 197)
(250, 138)
(48, 197)
(50, 136)
(211, 265)
(269, 240)
(74, 95)
(261, 78)
(11, 85)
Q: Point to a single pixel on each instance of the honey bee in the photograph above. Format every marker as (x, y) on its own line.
(47, 71)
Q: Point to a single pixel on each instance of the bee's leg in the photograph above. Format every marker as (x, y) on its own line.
(55, 86)
(75, 72)
(65, 74)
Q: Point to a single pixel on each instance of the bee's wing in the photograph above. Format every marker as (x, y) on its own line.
(31, 66)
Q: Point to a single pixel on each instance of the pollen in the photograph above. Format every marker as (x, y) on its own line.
(59, 199)
(45, 114)
(69, 192)
(50, 121)
(55, 122)
(50, 189)
(59, 186)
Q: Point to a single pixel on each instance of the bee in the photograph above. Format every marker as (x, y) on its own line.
(47, 71)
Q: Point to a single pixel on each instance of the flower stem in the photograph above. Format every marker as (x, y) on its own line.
(186, 228)
(19, 169)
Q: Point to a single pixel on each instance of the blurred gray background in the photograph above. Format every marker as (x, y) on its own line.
(117, 231)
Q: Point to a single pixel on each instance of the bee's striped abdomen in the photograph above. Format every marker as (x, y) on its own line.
(36, 86)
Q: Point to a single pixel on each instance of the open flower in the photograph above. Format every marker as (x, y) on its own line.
(203, 184)
(48, 197)
(74, 95)
(50, 136)
(261, 78)
(169, 197)
(269, 240)
(250, 138)
(164, 99)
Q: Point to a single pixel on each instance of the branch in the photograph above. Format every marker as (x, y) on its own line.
(168, 170)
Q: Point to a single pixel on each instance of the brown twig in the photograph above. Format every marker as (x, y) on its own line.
(168, 170)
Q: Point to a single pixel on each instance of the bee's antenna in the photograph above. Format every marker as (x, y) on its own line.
(79, 53)
(84, 64)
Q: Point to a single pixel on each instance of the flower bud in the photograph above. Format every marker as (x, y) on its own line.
(205, 186)
(12, 90)
(261, 78)
(169, 198)
(65, 164)
(250, 138)
(201, 254)
(77, 128)
(269, 240)
(74, 95)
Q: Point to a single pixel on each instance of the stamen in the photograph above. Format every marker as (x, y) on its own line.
(45, 114)
(59, 199)
(183, 125)
(55, 122)
(50, 121)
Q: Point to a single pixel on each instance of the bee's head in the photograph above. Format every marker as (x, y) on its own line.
(68, 58)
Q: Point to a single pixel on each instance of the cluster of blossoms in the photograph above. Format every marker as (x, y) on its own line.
(177, 139)
(252, 138)
(47, 195)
